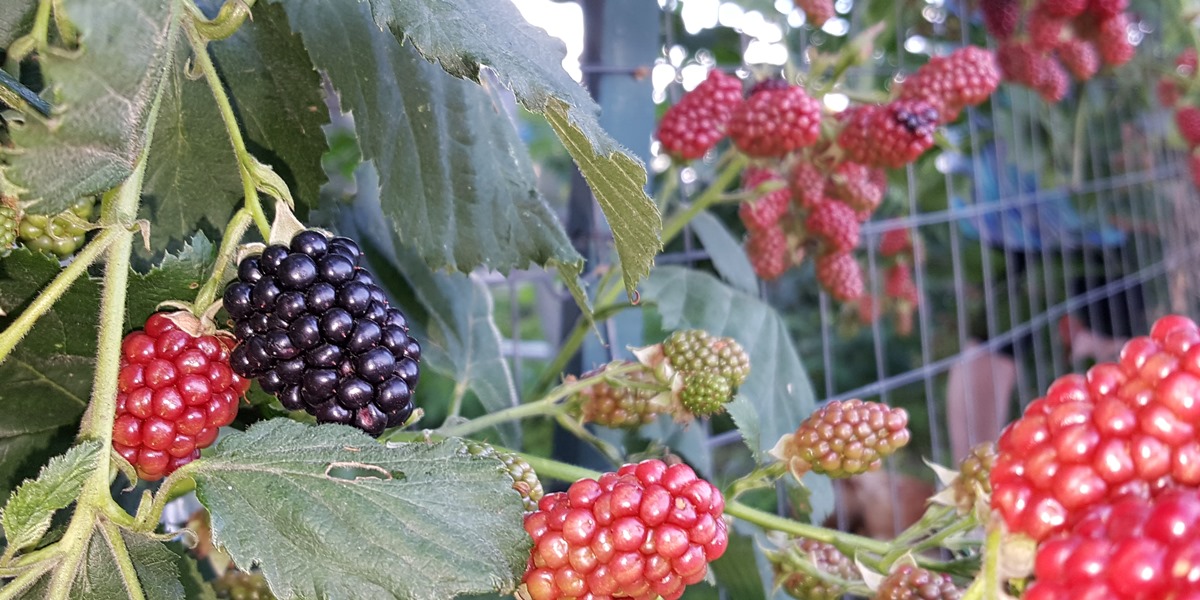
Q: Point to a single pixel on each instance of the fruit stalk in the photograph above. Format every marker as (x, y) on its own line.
(230, 242)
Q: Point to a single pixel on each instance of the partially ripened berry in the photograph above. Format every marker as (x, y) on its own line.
(1112, 40)
(766, 210)
(524, 478)
(776, 119)
(1080, 58)
(1126, 428)
(616, 406)
(316, 331)
(788, 564)
(768, 252)
(1021, 63)
(899, 285)
(239, 585)
(1132, 548)
(61, 234)
(891, 135)
(1045, 31)
(807, 184)
(705, 393)
(1187, 119)
(1107, 8)
(835, 224)
(973, 476)
(895, 242)
(966, 77)
(8, 228)
(697, 351)
(646, 531)
(1001, 17)
(697, 122)
(175, 391)
(817, 11)
(909, 582)
(859, 186)
(841, 276)
(844, 438)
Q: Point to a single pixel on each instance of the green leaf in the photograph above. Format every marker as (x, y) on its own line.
(456, 183)
(192, 178)
(157, 567)
(728, 256)
(16, 17)
(410, 521)
(737, 570)
(745, 417)
(618, 181)
(27, 515)
(103, 93)
(451, 314)
(463, 36)
(277, 95)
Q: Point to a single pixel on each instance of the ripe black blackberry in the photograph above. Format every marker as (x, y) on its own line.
(318, 333)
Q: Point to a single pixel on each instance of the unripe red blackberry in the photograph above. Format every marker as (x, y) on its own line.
(768, 253)
(1023, 64)
(807, 184)
(895, 242)
(1112, 39)
(1107, 8)
(776, 119)
(1001, 17)
(316, 331)
(899, 285)
(1131, 548)
(859, 186)
(175, 391)
(705, 393)
(835, 224)
(841, 276)
(891, 135)
(817, 11)
(801, 585)
(1127, 428)
(1065, 9)
(973, 476)
(1045, 31)
(524, 478)
(697, 122)
(844, 438)
(1194, 167)
(1080, 58)
(1187, 120)
(909, 582)
(620, 407)
(57, 234)
(697, 351)
(765, 211)
(239, 585)
(966, 77)
(647, 530)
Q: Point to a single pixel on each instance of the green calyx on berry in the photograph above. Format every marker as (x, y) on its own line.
(524, 478)
(844, 438)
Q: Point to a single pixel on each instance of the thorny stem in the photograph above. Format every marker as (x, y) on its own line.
(230, 241)
(62, 282)
(544, 406)
(245, 161)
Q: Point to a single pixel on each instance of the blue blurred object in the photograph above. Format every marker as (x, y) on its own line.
(1039, 219)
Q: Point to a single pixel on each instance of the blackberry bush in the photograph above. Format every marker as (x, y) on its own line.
(315, 330)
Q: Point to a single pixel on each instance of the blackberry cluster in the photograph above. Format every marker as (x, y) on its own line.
(908, 582)
(619, 406)
(844, 438)
(238, 585)
(524, 478)
(891, 135)
(799, 583)
(318, 333)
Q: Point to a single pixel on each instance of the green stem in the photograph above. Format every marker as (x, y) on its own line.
(245, 161)
(174, 486)
(112, 534)
(710, 196)
(574, 341)
(18, 586)
(231, 16)
(41, 25)
(230, 241)
(991, 562)
(62, 282)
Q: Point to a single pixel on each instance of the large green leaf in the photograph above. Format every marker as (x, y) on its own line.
(16, 17)
(104, 95)
(329, 512)
(463, 36)
(277, 95)
(451, 314)
(456, 183)
(778, 387)
(27, 515)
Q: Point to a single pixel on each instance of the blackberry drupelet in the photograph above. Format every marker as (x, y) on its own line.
(317, 332)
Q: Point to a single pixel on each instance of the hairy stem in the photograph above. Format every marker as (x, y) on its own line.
(20, 326)
(231, 16)
(230, 241)
(245, 160)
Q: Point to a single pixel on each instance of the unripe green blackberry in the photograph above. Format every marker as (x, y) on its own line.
(973, 476)
(844, 438)
(56, 234)
(525, 479)
(8, 228)
(705, 393)
(237, 585)
(909, 582)
(619, 406)
(695, 350)
(790, 573)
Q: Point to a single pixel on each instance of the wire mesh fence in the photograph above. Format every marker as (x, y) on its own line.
(1044, 238)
